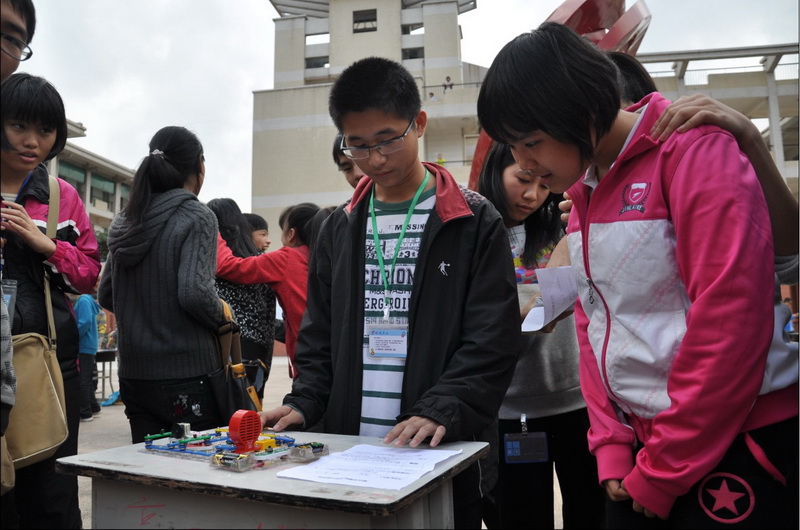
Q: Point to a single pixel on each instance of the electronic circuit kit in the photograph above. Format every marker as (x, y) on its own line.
(241, 446)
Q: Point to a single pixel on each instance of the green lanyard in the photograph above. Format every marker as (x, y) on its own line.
(379, 251)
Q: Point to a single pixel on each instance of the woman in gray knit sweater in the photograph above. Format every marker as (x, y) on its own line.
(162, 258)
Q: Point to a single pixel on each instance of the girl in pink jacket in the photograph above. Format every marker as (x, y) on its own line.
(34, 130)
(691, 420)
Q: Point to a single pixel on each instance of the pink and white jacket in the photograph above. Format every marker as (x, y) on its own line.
(73, 267)
(674, 262)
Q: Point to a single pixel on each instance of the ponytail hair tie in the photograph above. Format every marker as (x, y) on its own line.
(157, 152)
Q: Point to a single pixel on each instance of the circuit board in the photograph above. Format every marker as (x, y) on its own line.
(239, 449)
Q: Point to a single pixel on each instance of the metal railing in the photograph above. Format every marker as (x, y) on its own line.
(700, 76)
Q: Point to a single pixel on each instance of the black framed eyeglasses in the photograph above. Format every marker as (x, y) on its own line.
(14, 47)
(392, 145)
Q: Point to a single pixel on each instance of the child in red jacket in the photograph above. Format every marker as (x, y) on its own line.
(285, 270)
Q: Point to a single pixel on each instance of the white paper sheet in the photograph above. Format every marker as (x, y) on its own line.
(559, 291)
(371, 466)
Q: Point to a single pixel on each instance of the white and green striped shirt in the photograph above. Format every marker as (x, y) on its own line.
(383, 376)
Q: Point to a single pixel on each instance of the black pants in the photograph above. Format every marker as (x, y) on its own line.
(88, 400)
(523, 497)
(467, 498)
(41, 497)
(738, 493)
(153, 406)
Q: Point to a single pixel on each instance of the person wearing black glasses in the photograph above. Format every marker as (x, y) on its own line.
(17, 25)
(411, 329)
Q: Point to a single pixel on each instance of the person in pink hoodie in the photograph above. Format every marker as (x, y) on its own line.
(34, 131)
(691, 420)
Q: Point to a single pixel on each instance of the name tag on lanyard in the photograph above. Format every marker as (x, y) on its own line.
(388, 341)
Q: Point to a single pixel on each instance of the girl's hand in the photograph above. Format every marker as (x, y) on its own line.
(616, 491)
(638, 508)
(698, 109)
(16, 219)
(565, 206)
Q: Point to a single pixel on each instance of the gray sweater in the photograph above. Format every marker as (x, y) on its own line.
(161, 289)
(546, 379)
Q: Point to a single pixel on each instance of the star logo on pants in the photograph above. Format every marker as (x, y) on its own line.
(726, 498)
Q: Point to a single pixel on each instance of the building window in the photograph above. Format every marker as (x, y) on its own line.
(74, 175)
(124, 195)
(322, 38)
(414, 53)
(102, 193)
(317, 62)
(364, 21)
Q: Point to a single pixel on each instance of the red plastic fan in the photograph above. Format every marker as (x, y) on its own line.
(244, 428)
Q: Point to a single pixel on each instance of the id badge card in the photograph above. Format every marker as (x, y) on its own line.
(388, 341)
(525, 447)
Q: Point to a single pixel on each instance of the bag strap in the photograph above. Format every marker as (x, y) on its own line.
(52, 213)
(52, 226)
(230, 347)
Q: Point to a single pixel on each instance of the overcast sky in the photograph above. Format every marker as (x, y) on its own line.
(127, 68)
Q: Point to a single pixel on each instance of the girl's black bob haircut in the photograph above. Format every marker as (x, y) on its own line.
(33, 99)
(256, 222)
(550, 80)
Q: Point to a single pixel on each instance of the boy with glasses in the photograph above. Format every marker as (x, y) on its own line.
(17, 24)
(439, 290)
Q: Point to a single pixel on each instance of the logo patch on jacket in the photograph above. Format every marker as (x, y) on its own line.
(633, 196)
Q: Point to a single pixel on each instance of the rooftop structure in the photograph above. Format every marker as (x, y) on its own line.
(316, 40)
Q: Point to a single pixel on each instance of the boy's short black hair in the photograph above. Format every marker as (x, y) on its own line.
(634, 79)
(374, 83)
(551, 80)
(25, 9)
(33, 99)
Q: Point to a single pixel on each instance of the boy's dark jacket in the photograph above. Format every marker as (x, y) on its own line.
(464, 327)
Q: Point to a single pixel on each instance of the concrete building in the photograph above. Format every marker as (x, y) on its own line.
(766, 91)
(103, 184)
(315, 40)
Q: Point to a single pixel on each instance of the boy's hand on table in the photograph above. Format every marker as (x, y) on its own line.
(414, 431)
(280, 418)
